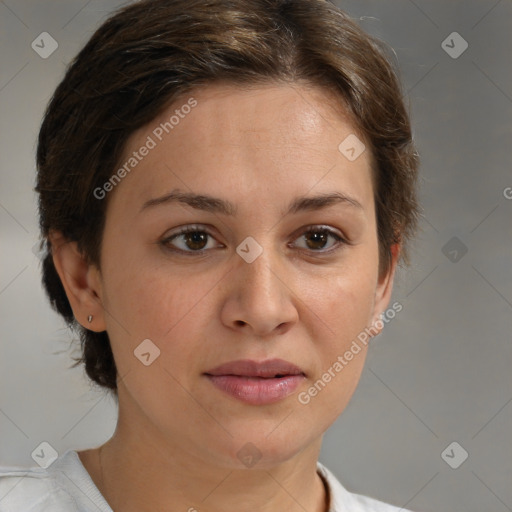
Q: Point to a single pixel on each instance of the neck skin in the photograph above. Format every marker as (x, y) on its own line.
(141, 471)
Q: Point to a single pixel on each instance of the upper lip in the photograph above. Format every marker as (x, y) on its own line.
(250, 368)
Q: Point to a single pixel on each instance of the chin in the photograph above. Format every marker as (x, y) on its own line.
(262, 448)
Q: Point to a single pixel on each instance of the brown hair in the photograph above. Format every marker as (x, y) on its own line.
(149, 53)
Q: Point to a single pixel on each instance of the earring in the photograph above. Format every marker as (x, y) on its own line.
(89, 318)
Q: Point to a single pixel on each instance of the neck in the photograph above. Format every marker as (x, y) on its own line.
(140, 471)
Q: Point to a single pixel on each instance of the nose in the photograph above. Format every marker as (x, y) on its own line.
(260, 297)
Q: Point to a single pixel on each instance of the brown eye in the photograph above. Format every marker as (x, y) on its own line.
(317, 239)
(196, 240)
(189, 239)
(193, 239)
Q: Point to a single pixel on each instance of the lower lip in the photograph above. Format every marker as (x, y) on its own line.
(257, 391)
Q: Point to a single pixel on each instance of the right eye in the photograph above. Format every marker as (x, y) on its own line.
(194, 239)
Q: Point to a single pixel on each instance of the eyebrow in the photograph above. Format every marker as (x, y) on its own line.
(221, 206)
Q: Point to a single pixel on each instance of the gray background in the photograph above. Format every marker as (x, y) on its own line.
(439, 372)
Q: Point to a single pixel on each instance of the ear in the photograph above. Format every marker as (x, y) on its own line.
(81, 281)
(384, 290)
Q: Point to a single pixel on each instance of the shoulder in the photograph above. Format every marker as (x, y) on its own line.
(30, 490)
(341, 499)
(63, 486)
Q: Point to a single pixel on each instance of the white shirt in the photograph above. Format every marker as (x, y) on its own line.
(66, 486)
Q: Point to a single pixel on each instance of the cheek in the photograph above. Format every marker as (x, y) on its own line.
(347, 299)
(159, 304)
(345, 306)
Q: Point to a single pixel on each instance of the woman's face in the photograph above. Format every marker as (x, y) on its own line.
(250, 282)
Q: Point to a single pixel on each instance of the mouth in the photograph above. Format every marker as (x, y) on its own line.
(257, 383)
(270, 369)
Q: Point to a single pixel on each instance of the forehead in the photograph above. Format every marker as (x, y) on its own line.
(248, 139)
(248, 114)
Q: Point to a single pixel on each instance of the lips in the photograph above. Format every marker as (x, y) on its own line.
(265, 369)
(257, 383)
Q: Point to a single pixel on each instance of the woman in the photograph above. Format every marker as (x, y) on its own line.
(226, 189)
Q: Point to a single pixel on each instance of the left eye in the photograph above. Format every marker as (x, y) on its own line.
(316, 237)
(195, 240)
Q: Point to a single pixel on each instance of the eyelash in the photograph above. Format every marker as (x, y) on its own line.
(340, 241)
